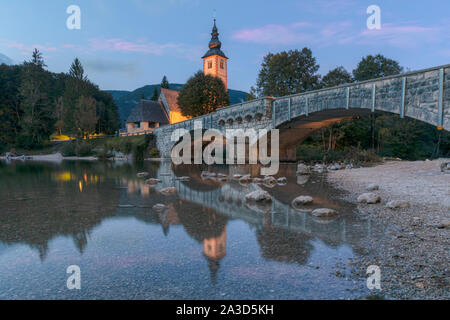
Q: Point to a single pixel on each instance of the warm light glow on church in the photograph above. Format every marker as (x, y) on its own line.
(215, 61)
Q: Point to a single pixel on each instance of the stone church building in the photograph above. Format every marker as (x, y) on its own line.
(148, 115)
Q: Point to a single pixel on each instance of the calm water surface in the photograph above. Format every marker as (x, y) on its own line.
(208, 244)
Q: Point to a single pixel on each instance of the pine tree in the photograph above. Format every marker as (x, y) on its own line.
(165, 83)
(77, 71)
(155, 94)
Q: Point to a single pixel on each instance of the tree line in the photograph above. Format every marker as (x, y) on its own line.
(36, 103)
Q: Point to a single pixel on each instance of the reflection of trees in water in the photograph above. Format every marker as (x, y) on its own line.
(37, 207)
(284, 245)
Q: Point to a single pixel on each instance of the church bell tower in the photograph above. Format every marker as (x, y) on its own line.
(215, 61)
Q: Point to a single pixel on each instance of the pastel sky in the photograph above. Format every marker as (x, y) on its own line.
(128, 44)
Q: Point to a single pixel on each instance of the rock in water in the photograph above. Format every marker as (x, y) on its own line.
(395, 204)
(143, 174)
(324, 212)
(269, 180)
(369, 198)
(259, 196)
(257, 180)
(282, 181)
(169, 191)
(301, 180)
(301, 201)
(159, 207)
(245, 179)
(303, 169)
(372, 187)
(152, 181)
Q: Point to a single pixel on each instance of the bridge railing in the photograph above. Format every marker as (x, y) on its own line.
(386, 93)
(398, 94)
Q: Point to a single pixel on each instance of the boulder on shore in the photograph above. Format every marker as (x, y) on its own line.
(259, 196)
(301, 201)
(396, 204)
(324, 212)
(335, 167)
(369, 198)
(372, 187)
(445, 167)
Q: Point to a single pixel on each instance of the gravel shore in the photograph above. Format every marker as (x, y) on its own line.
(413, 252)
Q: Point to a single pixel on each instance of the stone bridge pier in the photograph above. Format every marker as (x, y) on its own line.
(422, 95)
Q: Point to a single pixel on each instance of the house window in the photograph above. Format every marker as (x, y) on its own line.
(137, 125)
(209, 64)
(221, 64)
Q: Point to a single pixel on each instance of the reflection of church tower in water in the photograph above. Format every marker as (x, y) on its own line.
(214, 250)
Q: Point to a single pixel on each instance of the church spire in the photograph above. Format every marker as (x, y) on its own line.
(215, 42)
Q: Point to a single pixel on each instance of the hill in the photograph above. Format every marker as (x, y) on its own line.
(126, 100)
(5, 60)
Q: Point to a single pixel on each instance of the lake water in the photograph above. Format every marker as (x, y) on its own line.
(208, 244)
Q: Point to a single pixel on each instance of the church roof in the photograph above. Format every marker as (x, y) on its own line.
(215, 44)
(171, 97)
(147, 110)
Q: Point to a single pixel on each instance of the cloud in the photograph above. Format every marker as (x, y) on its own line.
(274, 34)
(342, 33)
(401, 35)
(141, 46)
(129, 68)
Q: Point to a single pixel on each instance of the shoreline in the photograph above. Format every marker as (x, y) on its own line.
(413, 251)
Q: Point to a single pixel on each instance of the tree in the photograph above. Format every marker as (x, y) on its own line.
(202, 94)
(36, 59)
(372, 67)
(77, 71)
(336, 77)
(287, 73)
(86, 119)
(155, 94)
(378, 66)
(165, 83)
(252, 95)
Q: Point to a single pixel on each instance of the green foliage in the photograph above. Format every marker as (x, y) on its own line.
(154, 153)
(252, 95)
(34, 103)
(287, 73)
(165, 83)
(155, 94)
(202, 94)
(378, 66)
(336, 77)
(69, 149)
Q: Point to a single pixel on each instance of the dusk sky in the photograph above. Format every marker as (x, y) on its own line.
(128, 44)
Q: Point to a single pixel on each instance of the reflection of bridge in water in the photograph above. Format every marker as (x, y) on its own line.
(229, 199)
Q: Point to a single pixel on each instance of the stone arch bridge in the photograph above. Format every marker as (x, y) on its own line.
(423, 95)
